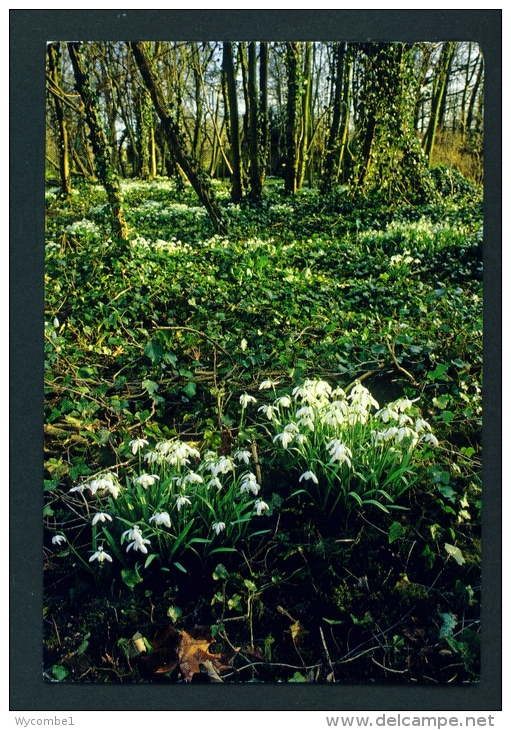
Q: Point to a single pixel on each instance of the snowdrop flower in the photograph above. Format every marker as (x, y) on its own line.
(405, 432)
(284, 401)
(137, 444)
(218, 527)
(403, 404)
(403, 418)
(242, 456)
(139, 543)
(101, 517)
(100, 556)
(161, 518)
(285, 438)
(114, 490)
(222, 466)
(245, 399)
(146, 480)
(268, 411)
(421, 425)
(429, 438)
(309, 475)
(386, 414)
(362, 396)
(260, 506)
(339, 452)
(151, 457)
(215, 482)
(266, 384)
(58, 539)
(181, 501)
(80, 488)
(249, 483)
(193, 478)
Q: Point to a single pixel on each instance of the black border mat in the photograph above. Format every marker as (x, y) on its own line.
(29, 32)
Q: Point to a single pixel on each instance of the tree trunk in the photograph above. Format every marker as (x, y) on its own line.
(232, 116)
(65, 181)
(198, 180)
(293, 101)
(438, 98)
(256, 185)
(104, 169)
(263, 110)
(305, 130)
(333, 137)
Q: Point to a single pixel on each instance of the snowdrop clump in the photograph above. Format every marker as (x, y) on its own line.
(344, 446)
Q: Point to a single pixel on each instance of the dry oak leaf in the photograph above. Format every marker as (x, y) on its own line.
(189, 650)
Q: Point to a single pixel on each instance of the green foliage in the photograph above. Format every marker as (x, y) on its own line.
(166, 341)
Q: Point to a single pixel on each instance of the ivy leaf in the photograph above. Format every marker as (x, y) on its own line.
(154, 351)
(190, 389)
(395, 532)
(455, 553)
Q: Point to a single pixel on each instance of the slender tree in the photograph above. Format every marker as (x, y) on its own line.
(199, 181)
(233, 120)
(104, 169)
(54, 54)
(438, 98)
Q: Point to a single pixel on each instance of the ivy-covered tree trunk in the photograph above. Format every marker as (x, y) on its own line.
(263, 109)
(438, 98)
(332, 151)
(53, 64)
(292, 59)
(102, 160)
(233, 126)
(198, 180)
(256, 184)
(305, 127)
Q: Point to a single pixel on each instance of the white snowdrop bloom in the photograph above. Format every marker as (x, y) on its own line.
(339, 452)
(223, 466)
(305, 411)
(100, 556)
(181, 501)
(218, 527)
(422, 425)
(403, 404)
(429, 438)
(161, 518)
(215, 482)
(267, 384)
(114, 490)
(360, 395)
(80, 488)
(261, 507)
(300, 438)
(58, 539)
(245, 399)
(139, 543)
(100, 517)
(152, 456)
(306, 422)
(242, 456)
(146, 480)
(268, 411)
(405, 432)
(249, 484)
(285, 438)
(333, 417)
(284, 401)
(309, 476)
(137, 444)
(385, 414)
(193, 478)
(403, 419)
